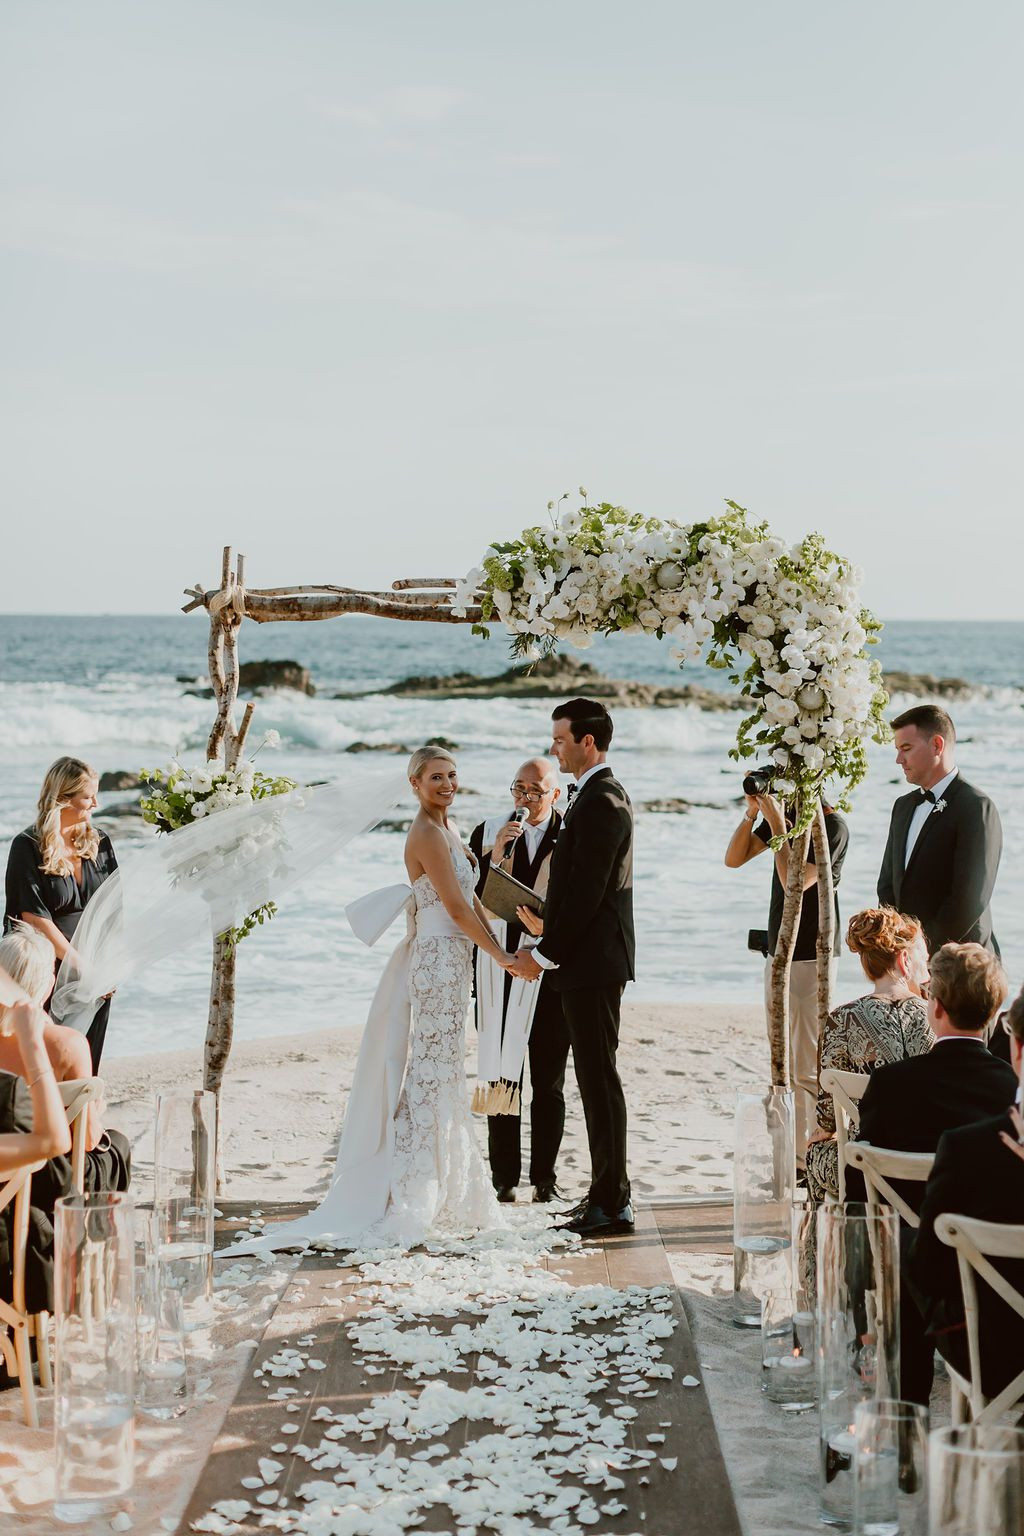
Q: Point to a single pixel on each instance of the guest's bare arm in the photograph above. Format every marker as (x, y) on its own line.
(50, 1136)
(68, 1054)
(743, 845)
(50, 930)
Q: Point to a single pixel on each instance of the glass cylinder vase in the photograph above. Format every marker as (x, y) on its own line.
(788, 1351)
(94, 1338)
(976, 1481)
(858, 1337)
(764, 1181)
(890, 1469)
(184, 1184)
(161, 1362)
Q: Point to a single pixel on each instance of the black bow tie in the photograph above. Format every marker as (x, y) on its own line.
(924, 795)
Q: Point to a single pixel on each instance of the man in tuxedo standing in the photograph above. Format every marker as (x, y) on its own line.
(588, 949)
(535, 790)
(945, 838)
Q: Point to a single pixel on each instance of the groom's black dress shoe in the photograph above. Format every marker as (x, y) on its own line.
(595, 1221)
(543, 1194)
(505, 1195)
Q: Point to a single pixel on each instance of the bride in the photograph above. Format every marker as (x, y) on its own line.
(408, 1162)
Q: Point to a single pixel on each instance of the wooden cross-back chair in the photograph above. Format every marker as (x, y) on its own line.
(847, 1090)
(976, 1243)
(880, 1165)
(15, 1322)
(78, 1093)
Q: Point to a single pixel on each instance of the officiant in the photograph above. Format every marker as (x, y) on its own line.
(521, 844)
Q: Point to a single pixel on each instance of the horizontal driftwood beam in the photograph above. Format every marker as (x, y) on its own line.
(308, 606)
(417, 581)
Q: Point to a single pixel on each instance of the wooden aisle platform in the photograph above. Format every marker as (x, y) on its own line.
(694, 1499)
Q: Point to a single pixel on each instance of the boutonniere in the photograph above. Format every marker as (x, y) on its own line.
(940, 805)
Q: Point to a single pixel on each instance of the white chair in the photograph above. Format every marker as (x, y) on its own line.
(78, 1093)
(976, 1242)
(879, 1165)
(15, 1321)
(847, 1090)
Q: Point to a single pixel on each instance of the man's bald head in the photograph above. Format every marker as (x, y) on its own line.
(537, 776)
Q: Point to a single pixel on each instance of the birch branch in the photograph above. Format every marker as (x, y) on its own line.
(782, 960)
(826, 915)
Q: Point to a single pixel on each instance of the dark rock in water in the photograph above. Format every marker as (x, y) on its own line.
(119, 779)
(675, 807)
(256, 675)
(558, 677)
(197, 693)
(119, 809)
(188, 677)
(393, 824)
(444, 742)
(377, 746)
(923, 685)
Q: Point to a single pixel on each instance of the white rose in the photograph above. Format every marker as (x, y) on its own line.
(199, 809)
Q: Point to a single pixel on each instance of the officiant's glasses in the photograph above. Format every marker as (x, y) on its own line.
(527, 792)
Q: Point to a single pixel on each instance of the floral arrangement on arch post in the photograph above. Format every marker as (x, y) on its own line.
(182, 795)
(784, 620)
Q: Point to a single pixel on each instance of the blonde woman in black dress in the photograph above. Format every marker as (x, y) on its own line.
(57, 865)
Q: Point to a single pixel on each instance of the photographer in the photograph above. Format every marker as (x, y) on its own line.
(751, 838)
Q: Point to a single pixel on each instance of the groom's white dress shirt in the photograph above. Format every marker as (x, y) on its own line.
(923, 811)
(545, 964)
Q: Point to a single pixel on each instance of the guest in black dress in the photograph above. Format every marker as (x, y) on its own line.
(56, 866)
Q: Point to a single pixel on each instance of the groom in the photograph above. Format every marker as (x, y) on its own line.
(588, 949)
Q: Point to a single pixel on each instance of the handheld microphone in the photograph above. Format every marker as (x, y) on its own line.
(518, 816)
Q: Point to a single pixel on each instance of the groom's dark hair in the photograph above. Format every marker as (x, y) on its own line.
(586, 717)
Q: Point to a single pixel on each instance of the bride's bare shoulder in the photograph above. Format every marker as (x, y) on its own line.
(423, 842)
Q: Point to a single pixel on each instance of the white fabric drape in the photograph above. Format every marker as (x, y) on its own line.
(188, 886)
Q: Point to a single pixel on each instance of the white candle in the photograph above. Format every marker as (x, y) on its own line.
(843, 1441)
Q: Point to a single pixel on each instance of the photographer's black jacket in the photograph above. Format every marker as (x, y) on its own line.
(838, 835)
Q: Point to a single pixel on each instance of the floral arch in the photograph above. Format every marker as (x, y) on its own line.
(785, 621)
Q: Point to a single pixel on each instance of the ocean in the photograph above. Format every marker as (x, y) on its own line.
(108, 689)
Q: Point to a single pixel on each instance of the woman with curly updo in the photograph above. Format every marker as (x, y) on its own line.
(890, 1023)
(57, 865)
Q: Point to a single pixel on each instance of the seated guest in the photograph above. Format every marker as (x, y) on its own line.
(27, 957)
(107, 1167)
(910, 1105)
(50, 1135)
(978, 1172)
(885, 1026)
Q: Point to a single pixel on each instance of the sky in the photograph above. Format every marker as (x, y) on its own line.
(359, 288)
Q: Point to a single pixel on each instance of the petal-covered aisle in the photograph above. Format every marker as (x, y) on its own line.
(501, 1384)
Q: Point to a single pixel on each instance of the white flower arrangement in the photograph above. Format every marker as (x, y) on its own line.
(786, 620)
(183, 795)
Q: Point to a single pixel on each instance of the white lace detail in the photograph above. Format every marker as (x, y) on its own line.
(438, 1177)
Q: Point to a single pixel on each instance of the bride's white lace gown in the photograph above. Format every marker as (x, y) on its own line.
(408, 1163)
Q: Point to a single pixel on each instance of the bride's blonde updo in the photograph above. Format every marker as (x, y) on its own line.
(424, 755)
(64, 778)
(878, 935)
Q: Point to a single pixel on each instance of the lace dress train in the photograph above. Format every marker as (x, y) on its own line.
(408, 1163)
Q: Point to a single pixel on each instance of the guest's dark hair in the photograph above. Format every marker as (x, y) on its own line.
(968, 982)
(930, 720)
(878, 935)
(1015, 1017)
(586, 717)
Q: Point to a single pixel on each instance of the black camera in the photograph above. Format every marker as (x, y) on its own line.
(758, 781)
(757, 940)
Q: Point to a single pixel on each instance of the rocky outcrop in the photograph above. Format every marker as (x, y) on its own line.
(558, 677)
(119, 778)
(256, 676)
(923, 685)
(673, 806)
(398, 748)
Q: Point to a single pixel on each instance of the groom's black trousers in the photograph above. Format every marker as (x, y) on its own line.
(549, 1052)
(592, 1018)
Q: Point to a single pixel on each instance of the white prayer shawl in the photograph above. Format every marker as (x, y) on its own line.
(503, 1032)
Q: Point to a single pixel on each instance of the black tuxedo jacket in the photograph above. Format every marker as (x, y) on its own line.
(588, 918)
(909, 1105)
(948, 883)
(108, 1167)
(522, 868)
(974, 1175)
